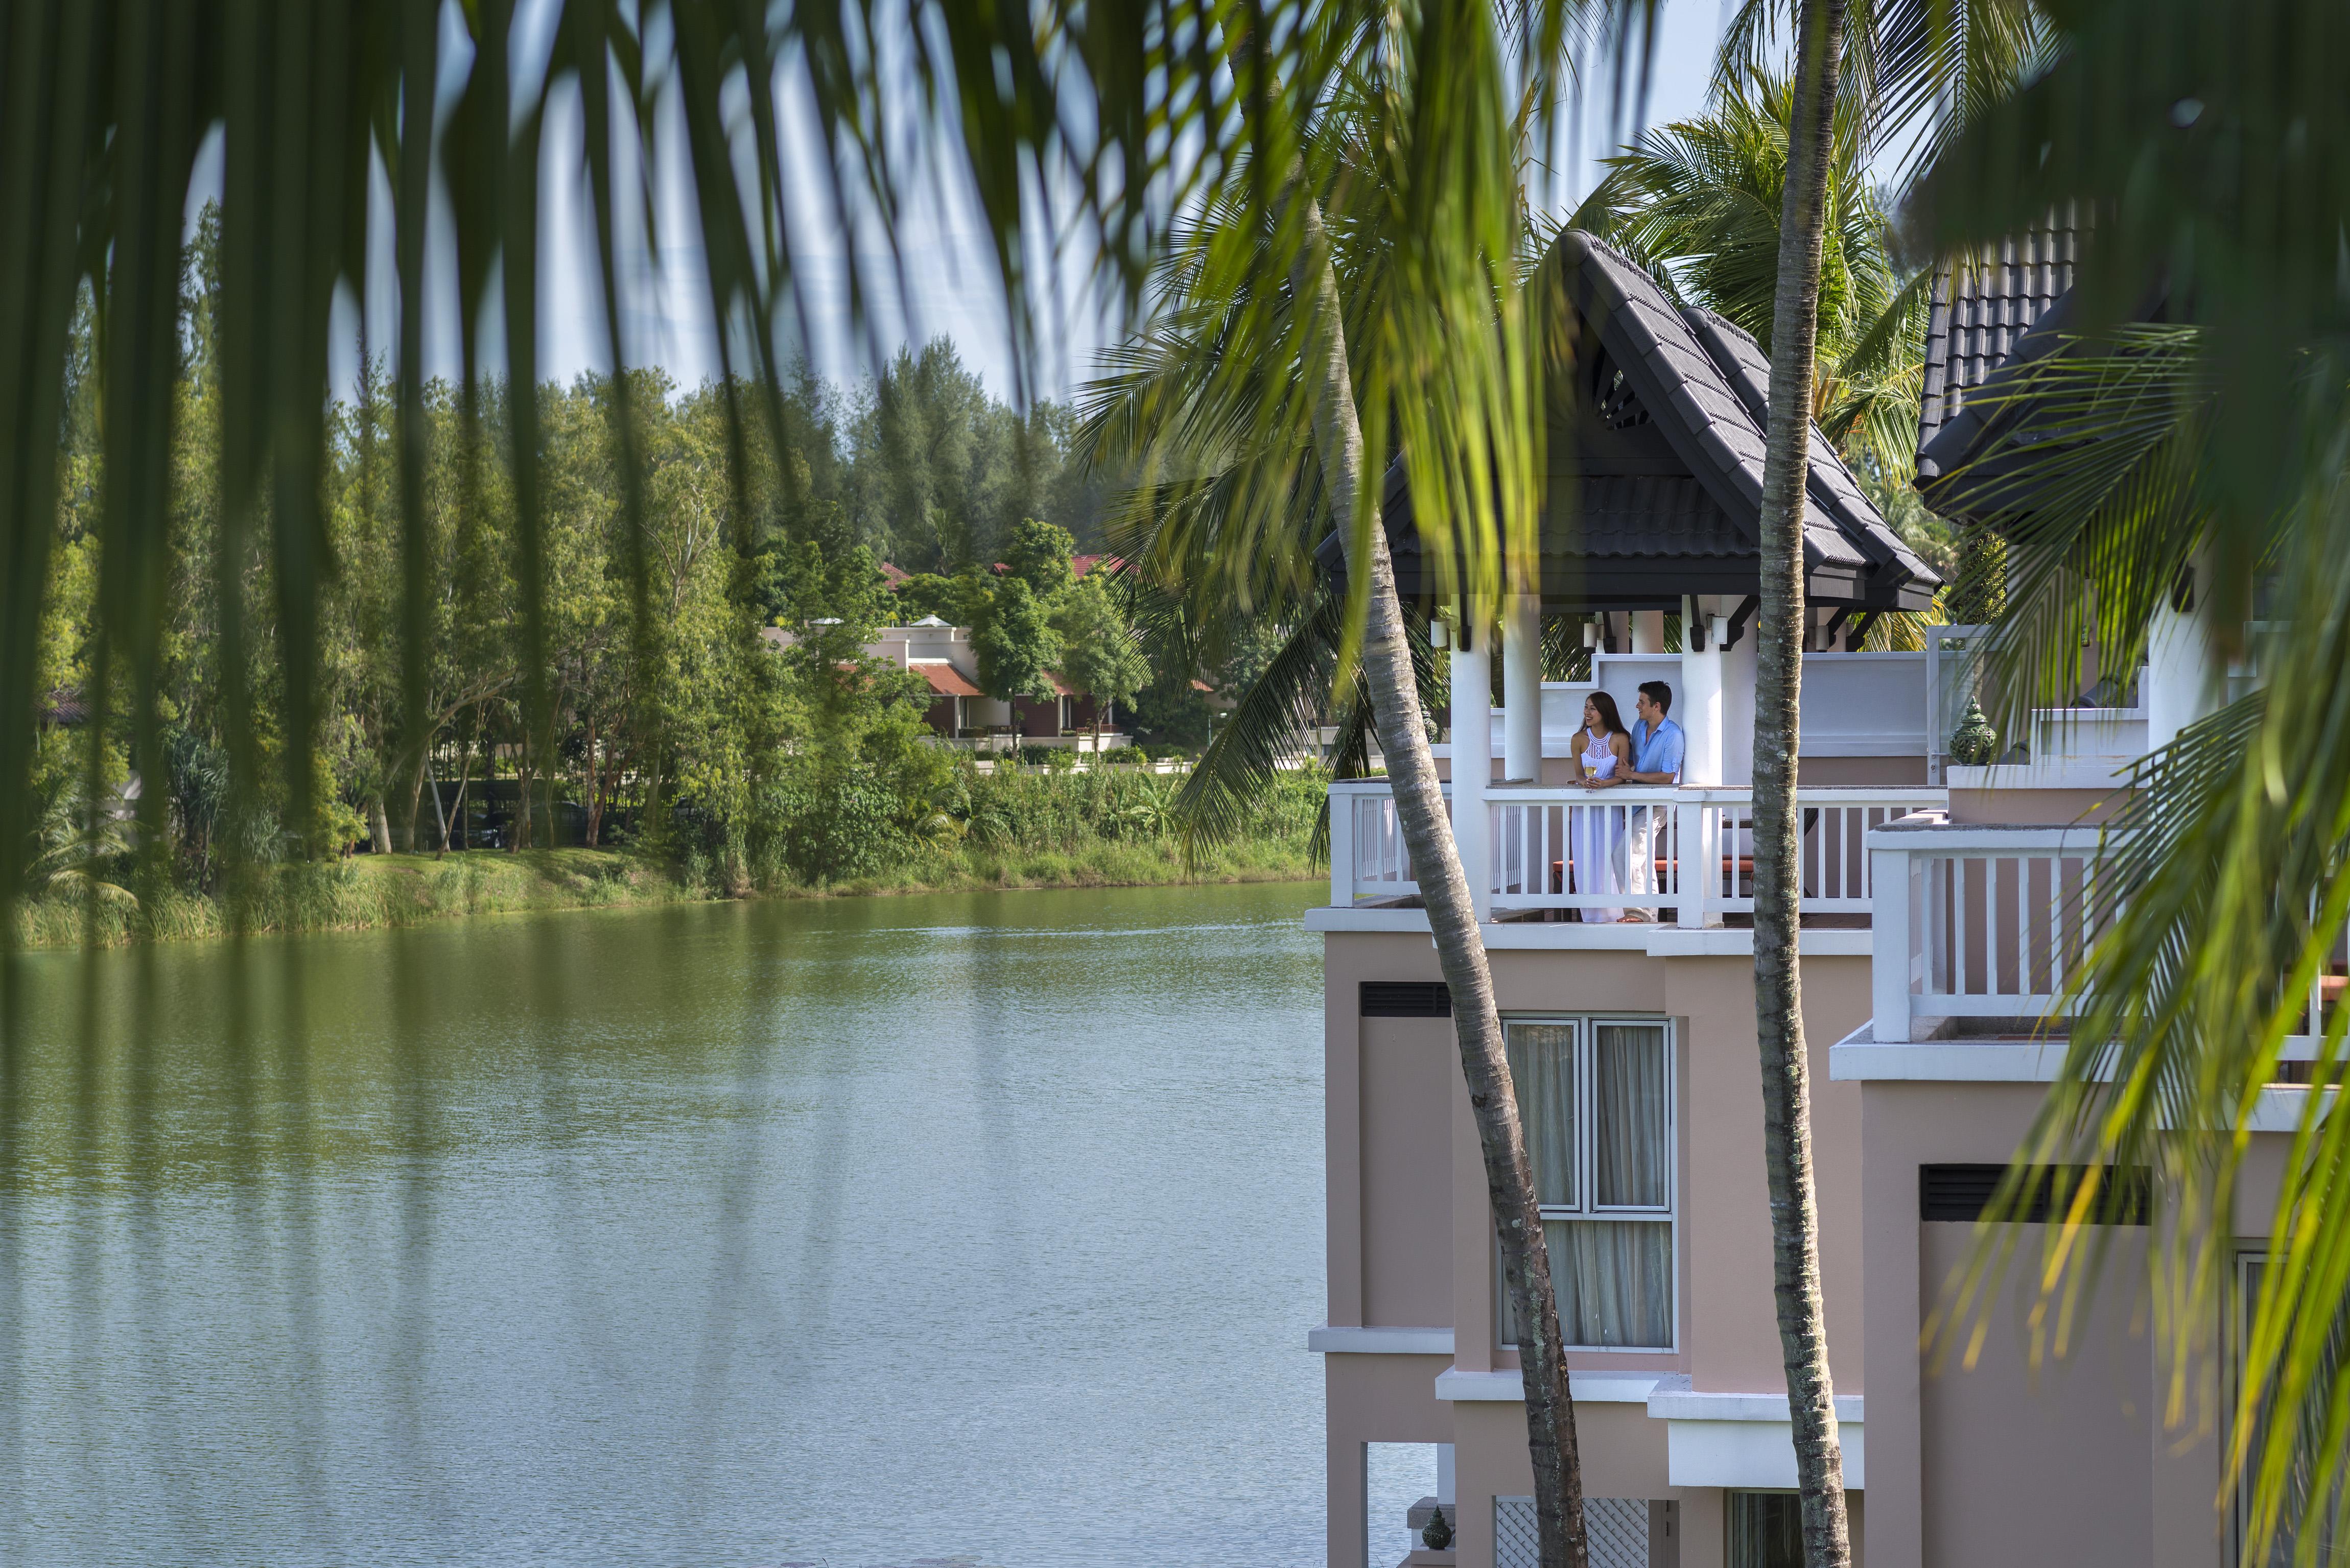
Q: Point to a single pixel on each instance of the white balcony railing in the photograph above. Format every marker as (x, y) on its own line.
(1977, 922)
(1602, 852)
(1995, 921)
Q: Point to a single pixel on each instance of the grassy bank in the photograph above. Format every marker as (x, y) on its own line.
(371, 891)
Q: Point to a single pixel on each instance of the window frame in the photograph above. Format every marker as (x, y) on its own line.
(1586, 1027)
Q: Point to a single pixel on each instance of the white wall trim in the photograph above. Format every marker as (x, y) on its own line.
(1633, 936)
(1588, 1387)
(1859, 1059)
(1326, 1340)
(1328, 918)
(1744, 1440)
(1671, 1403)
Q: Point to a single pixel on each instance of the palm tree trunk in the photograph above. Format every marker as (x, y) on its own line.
(1778, 892)
(1451, 919)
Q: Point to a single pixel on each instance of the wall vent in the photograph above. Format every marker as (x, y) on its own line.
(1961, 1193)
(1406, 999)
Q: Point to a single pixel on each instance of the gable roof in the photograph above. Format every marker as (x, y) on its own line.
(1654, 483)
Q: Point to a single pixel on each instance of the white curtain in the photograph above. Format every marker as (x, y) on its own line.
(1614, 1279)
(1628, 1115)
(1542, 1066)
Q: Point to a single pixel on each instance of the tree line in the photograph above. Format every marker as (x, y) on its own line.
(594, 660)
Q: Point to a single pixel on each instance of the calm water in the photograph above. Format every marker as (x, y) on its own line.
(872, 1232)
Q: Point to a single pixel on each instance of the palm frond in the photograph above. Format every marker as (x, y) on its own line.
(2220, 892)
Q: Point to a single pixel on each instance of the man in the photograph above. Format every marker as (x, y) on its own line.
(1658, 745)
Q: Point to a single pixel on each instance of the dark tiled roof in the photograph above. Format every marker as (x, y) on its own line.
(1839, 515)
(1636, 515)
(1656, 486)
(1983, 306)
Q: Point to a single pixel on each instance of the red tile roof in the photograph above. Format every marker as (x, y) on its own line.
(943, 677)
(1079, 565)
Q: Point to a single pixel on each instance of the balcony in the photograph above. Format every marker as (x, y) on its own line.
(1980, 931)
(1563, 855)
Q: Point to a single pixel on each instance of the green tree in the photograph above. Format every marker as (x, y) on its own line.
(1038, 555)
(1017, 647)
(1099, 654)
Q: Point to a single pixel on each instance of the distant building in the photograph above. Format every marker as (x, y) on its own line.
(942, 656)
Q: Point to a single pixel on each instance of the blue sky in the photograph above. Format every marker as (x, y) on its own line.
(950, 276)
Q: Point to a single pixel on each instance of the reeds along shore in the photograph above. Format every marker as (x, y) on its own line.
(374, 891)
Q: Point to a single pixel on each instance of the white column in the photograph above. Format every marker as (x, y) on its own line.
(1697, 707)
(1889, 921)
(1342, 850)
(1472, 749)
(2182, 673)
(1522, 689)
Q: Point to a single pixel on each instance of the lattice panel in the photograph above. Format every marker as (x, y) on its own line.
(1517, 1540)
(1618, 1527)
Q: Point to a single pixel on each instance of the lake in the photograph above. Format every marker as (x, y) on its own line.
(869, 1233)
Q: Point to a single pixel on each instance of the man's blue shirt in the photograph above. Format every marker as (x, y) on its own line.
(1658, 751)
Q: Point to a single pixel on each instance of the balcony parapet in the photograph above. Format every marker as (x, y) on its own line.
(1980, 931)
(1657, 855)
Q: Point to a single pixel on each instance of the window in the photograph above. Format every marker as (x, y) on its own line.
(1597, 1098)
(2310, 1495)
(1765, 1529)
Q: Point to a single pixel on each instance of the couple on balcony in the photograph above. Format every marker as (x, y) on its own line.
(1613, 847)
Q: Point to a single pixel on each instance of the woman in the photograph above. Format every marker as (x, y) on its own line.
(1596, 835)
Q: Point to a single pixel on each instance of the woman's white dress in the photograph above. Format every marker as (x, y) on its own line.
(1596, 834)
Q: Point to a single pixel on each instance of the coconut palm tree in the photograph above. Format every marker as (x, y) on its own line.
(1803, 212)
(1911, 62)
(1260, 404)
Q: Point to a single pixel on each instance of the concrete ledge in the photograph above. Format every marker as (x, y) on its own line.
(2097, 772)
(1680, 1403)
(1744, 1441)
(1588, 1387)
(1330, 918)
(1327, 1341)
(1638, 937)
(1858, 1060)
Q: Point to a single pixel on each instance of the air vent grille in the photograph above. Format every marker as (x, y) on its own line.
(1406, 999)
(1961, 1193)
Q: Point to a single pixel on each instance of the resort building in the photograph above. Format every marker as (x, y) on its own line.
(1617, 924)
(960, 711)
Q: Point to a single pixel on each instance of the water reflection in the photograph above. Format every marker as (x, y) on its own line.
(978, 1228)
